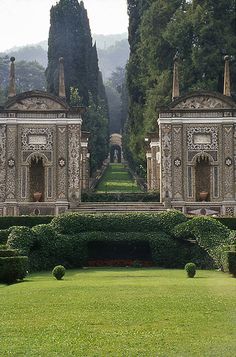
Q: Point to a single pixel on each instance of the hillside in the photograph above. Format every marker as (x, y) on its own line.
(113, 52)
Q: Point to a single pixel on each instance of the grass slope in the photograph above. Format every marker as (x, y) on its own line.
(117, 179)
(120, 312)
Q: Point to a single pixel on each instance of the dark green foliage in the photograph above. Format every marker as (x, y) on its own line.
(4, 233)
(229, 222)
(22, 239)
(190, 269)
(58, 272)
(74, 223)
(229, 260)
(201, 31)
(120, 197)
(209, 233)
(27, 221)
(65, 240)
(13, 268)
(8, 252)
(29, 76)
(70, 37)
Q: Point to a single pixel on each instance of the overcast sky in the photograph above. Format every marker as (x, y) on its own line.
(27, 21)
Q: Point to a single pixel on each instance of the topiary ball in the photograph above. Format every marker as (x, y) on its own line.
(58, 272)
(190, 269)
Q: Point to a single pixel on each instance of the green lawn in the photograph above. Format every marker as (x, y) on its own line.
(117, 179)
(120, 312)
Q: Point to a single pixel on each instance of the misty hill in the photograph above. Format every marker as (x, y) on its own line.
(112, 57)
(29, 53)
(113, 52)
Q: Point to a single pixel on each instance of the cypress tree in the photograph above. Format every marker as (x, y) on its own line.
(70, 37)
(200, 30)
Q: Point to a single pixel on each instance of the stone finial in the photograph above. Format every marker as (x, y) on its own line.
(62, 87)
(12, 82)
(175, 91)
(227, 90)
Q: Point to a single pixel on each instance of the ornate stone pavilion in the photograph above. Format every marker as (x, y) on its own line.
(192, 158)
(43, 153)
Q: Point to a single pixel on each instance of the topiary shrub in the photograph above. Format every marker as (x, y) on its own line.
(210, 234)
(13, 268)
(58, 272)
(190, 269)
(22, 239)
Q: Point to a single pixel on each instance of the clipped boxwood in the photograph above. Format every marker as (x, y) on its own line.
(120, 197)
(190, 269)
(13, 268)
(229, 262)
(22, 239)
(58, 272)
(27, 221)
(209, 233)
(74, 223)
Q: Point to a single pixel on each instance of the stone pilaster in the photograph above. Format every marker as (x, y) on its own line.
(11, 164)
(178, 163)
(74, 189)
(149, 171)
(166, 165)
(62, 163)
(2, 162)
(228, 162)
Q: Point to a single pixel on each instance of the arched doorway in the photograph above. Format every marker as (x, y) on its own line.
(37, 179)
(203, 178)
(116, 148)
(115, 154)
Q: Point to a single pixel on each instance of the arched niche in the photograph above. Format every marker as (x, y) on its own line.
(115, 154)
(203, 177)
(37, 179)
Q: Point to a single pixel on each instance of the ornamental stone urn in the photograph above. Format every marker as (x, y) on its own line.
(37, 196)
(203, 195)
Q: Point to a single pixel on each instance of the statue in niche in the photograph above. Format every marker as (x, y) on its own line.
(116, 158)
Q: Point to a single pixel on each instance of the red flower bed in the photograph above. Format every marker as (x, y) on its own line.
(118, 263)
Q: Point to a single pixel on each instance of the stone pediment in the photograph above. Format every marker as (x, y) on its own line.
(36, 101)
(204, 101)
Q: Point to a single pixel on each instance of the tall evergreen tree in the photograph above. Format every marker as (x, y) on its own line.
(201, 30)
(70, 37)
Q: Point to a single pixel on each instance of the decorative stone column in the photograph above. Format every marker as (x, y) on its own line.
(149, 170)
(155, 164)
(74, 133)
(84, 162)
(166, 165)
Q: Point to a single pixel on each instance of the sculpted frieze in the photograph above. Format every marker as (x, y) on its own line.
(36, 103)
(202, 102)
(37, 139)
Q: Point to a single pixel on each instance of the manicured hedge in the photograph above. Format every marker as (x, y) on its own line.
(229, 260)
(229, 222)
(12, 269)
(28, 221)
(74, 223)
(209, 233)
(120, 197)
(64, 240)
(47, 249)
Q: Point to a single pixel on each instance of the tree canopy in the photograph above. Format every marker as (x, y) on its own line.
(70, 37)
(202, 31)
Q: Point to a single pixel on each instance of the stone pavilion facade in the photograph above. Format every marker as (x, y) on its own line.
(191, 159)
(44, 159)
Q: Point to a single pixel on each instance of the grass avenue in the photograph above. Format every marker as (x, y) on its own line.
(119, 312)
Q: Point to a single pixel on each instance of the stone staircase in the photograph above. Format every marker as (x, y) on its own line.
(118, 207)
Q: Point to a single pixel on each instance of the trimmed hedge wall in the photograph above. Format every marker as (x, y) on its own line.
(28, 221)
(47, 249)
(74, 223)
(120, 197)
(13, 268)
(65, 240)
